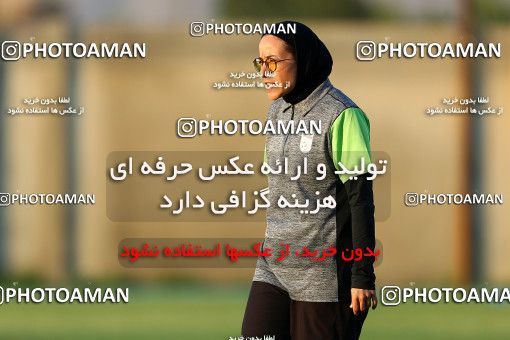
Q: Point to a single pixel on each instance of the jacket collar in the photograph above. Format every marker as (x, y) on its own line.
(304, 106)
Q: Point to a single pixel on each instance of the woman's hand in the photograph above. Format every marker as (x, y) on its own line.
(362, 299)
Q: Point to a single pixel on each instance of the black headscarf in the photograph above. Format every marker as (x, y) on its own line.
(313, 59)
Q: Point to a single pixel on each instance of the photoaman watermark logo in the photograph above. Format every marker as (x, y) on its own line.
(201, 28)
(14, 50)
(413, 199)
(63, 295)
(190, 127)
(395, 295)
(368, 50)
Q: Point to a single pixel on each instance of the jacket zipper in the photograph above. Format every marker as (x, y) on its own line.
(287, 136)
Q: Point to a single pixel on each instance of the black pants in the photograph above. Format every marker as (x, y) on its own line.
(270, 311)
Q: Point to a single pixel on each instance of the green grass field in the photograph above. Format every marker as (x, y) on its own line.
(190, 311)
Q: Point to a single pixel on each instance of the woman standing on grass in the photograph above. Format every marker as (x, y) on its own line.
(297, 298)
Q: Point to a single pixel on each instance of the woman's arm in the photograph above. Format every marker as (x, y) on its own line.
(350, 143)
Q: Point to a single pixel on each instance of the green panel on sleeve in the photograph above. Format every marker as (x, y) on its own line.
(350, 140)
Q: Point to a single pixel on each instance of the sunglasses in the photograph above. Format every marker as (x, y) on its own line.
(270, 63)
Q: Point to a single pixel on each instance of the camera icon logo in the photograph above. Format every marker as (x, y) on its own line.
(197, 29)
(186, 127)
(365, 50)
(411, 199)
(390, 295)
(11, 50)
(5, 199)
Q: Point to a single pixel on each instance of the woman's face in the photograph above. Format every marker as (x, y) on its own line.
(286, 70)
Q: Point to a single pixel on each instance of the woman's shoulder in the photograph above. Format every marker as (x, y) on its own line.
(339, 98)
(341, 107)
